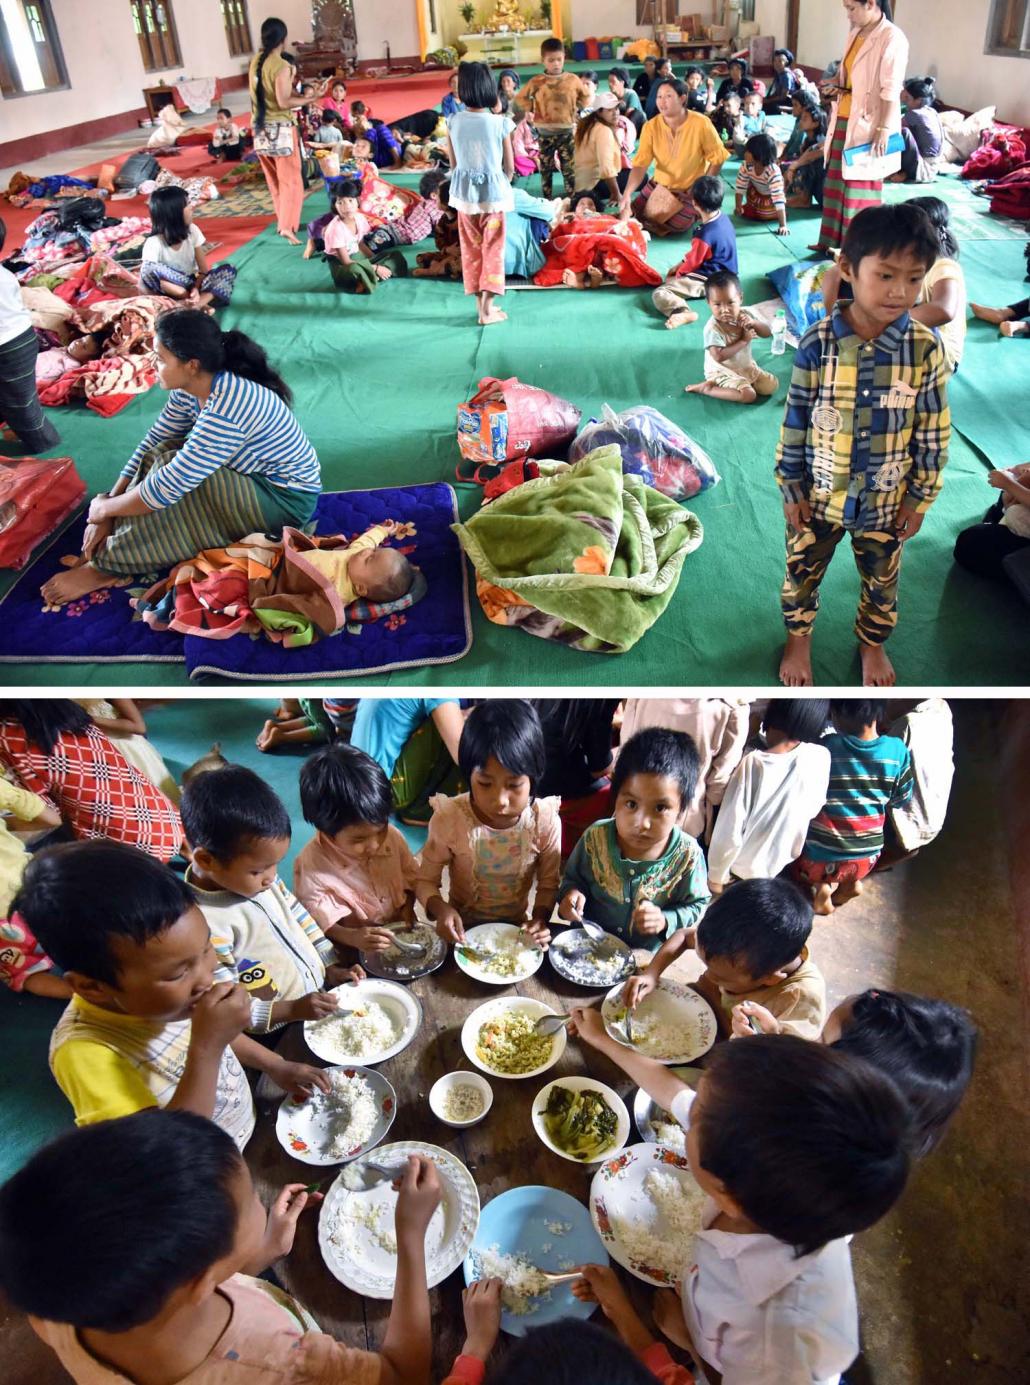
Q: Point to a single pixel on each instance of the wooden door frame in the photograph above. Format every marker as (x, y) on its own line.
(793, 24)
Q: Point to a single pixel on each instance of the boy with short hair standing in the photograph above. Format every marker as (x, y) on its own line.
(553, 98)
(865, 436)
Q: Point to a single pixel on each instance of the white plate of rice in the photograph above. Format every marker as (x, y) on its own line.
(660, 1127)
(498, 1038)
(647, 1208)
(672, 1025)
(498, 953)
(356, 1230)
(379, 1021)
(336, 1127)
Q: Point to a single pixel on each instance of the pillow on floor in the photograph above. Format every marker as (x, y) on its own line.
(962, 133)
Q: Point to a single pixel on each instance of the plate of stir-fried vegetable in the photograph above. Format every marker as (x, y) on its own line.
(581, 1119)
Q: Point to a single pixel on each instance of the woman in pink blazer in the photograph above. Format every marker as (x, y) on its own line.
(866, 110)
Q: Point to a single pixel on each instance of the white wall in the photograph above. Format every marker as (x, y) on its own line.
(946, 39)
(105, 68)
(771, 16)
(599, 18)
(379, 21)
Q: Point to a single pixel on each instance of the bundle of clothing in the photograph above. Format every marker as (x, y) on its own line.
(24, 188)
(260, 586)
(70, 234)
(584, 554)
(198, 190)
(602, 246)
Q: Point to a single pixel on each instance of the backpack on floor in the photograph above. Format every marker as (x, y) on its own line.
(36, 497)
(137, 168)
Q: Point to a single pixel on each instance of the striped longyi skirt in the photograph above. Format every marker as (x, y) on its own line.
(843, 199)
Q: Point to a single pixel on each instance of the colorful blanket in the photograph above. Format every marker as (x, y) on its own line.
(617, 248)
(585, 555)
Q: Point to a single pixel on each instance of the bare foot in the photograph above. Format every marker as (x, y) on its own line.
(1013, 329)
(995, 315)
(668, 1318)
(595, 277)
(494, 315)
(680, 319)
(309, 250)
(898, 177)
(290, 236)
(823, 902)
(877, 669)
(269, 736)
(571, 279)
(702, 387)
(796, 664)
(75, 582)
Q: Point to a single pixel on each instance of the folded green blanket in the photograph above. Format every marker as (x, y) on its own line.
(586, 555)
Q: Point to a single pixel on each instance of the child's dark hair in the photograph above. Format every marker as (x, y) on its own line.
(762, 149)
(621, 74)
(889, 229)
(345, 187)
(551, 45)
(922, 89)
(341, 786)
(191, 335)
(43, 719)
(744, 66)
(707, 193)
(226, 808)
(507, 729)
(691, 71)
(851, 714)
(937, 210)
(589, 75)
(928, 1048)
(657, 750)
(131, 1210)
(333, 118)
(680, 88)
(358, 108)
(799, 718)
(761, 925)
(224, 110)
(167, 208)
(821, 117)
(78, 897)
(433, 181)
(722, 279)
(785, 54)
(812, 1144)
(477, 89)
(586, 195)
(567, 1353)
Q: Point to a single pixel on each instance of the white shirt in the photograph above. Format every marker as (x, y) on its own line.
(15, 318)
(761, 1316)
(769, 802)
(928, 733)
(182, 257)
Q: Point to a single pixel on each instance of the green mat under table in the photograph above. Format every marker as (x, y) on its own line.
(378, 380)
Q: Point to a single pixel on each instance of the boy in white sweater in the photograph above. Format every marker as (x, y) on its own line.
(772, 795)
(238, 832)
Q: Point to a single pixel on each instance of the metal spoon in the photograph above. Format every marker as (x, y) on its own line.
(369, 1173)
(554, 1278)
(550, 1024)
(411, 949)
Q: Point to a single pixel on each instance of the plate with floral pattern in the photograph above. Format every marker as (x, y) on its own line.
(310, 1129)
(647, 1208)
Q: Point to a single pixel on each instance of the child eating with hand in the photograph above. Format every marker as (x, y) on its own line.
(238, 831)
(797, 1147)
(712, 251)
(147, 1025)
(499, 842)
(752, 942)
(637, 874)
(731, 372)
(357, 872)
(160, 1233)
(760, 195)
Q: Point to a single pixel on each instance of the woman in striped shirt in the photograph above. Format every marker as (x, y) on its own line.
(226, 458)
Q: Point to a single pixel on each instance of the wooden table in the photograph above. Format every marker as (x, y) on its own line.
(502, 1151)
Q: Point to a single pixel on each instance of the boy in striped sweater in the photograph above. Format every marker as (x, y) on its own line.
(869, 775)
(760, 194)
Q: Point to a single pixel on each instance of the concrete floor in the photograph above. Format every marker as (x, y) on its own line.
(942, 1282)
(100, 151)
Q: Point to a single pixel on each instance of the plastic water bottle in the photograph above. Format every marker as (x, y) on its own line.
(779, 333)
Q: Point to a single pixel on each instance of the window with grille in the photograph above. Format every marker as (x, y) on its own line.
(237, 27)
(1008, 30)
(155, 33)
(30, 53)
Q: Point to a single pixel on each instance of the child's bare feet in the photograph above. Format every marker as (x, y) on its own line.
(877, 669)
(75, 582)
(1013, 329)
(492, 315)
(595, 277)
(823, 901)
(796, 664)
(572, 280)
(847, 890)
(995, 315)
(702, 387)
(668, 1317)
(309, 250)
(269, 736)
(680, 318)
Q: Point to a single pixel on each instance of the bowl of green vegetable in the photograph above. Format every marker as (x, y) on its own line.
(580, 1119)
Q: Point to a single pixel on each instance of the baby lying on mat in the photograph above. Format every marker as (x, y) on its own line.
(365, 570)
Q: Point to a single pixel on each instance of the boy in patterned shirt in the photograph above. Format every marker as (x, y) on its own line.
(554, 98)
(865, 436)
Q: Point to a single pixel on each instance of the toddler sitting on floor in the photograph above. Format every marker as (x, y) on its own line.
(731, 372)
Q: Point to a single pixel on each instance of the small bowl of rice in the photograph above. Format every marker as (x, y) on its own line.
(460, 1098)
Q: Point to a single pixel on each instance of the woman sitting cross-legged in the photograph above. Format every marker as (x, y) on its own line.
(226, 458)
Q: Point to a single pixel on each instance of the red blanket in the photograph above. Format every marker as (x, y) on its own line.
(617, 248)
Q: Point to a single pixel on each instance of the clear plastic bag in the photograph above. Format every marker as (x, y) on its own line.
(653, 448)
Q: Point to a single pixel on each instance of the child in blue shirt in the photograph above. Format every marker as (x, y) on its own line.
(713, 249)
(637, 874)
(451, 105)
(483, 165)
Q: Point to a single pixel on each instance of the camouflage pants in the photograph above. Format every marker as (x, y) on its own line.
(562, 143)
(878, 559)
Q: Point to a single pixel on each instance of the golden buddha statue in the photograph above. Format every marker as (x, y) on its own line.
(506, 19)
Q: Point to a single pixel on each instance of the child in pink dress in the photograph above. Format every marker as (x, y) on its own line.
(524, 145)
(498, 841)
(357, 871)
